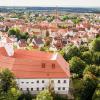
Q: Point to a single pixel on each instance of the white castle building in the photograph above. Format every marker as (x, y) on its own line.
(35, 70)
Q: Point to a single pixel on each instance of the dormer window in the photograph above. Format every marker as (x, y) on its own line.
(53, 66)
(43, 65)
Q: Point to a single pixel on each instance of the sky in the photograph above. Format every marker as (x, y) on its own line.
(50, 3)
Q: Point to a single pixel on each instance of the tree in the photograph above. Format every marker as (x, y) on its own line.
(83, 48)
(44, 95)
(60, 97)
(95, 70)
(77, 65)
(71, 51)
(96, 58)
(76, 20)
(47, 33)
(47, 41)
(8, 87)
(24, 35)
(1, 18)
(97, 35)
(14, 31)
(63, 18)
(12, 94)
(88, 87)
(96, 95)
(87, 57)
(7, 80)
(25, 96)
(95, 44)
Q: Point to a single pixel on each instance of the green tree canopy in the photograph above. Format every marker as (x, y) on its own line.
(87, 57)
(77, 65)
(8, 87)
(71, 51)
(83, 48)
(16, 31)
(96, 44)
(95, 70)
(7, 80)
(44, 95)
(63, 18)
(96, 58)
(96, 95)
(88, 87)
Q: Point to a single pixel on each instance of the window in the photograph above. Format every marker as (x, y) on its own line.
(63, 88)
(58, 88)
(27, 89)
(53, 66)
(42, 88)
(64, 81)
(27, 82)
(37, 89)
(43, 65)
(22, 82)
(42, 81)
(31, 89)
(32, 82)
(58, 81)
(37, 81)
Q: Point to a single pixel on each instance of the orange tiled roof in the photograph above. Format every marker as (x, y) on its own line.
(28, 64)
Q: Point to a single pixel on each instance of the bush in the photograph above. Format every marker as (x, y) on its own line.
(44, 95)
(60, 97)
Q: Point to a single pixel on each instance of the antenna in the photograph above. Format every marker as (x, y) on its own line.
(56, 15)
(56, 12)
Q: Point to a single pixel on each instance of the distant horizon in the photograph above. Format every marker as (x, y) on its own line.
(54, 6)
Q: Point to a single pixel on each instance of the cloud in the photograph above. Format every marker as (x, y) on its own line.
(66, 3)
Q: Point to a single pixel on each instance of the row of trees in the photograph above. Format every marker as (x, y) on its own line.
(85, 65)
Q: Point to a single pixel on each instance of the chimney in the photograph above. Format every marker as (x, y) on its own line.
(9, 47)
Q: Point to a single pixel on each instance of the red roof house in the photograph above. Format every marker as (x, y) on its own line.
(35, 70)
(35, 64)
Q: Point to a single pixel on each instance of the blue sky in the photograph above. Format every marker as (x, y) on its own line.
(63, 3)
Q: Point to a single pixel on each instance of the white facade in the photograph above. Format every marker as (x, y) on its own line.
(60, 86)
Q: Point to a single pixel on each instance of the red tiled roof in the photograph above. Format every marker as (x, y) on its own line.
(28, 64)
